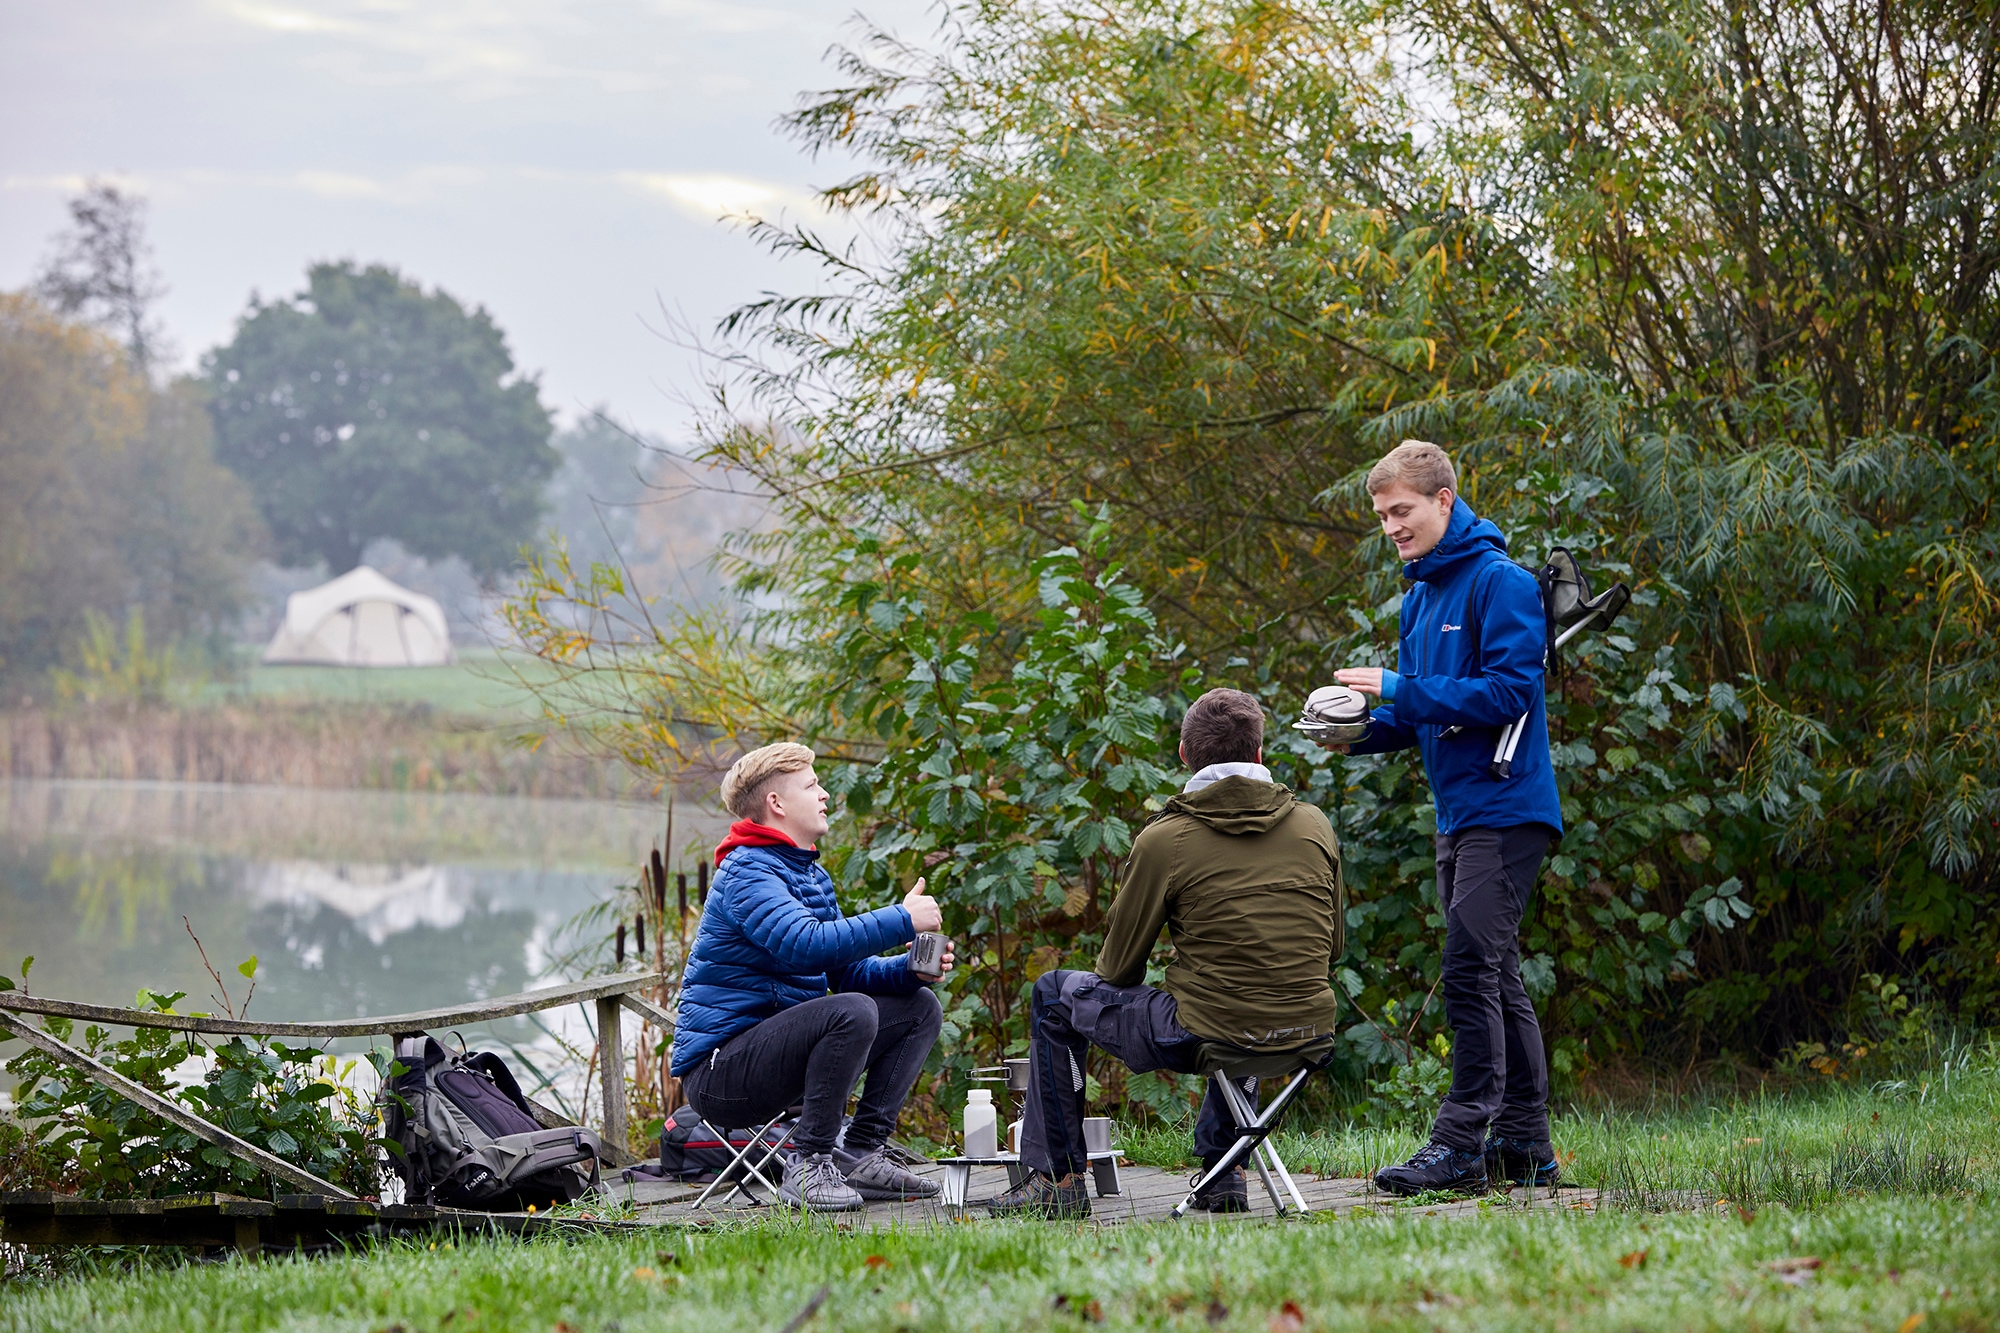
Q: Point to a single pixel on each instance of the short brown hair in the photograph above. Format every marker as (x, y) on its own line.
(1418, 464)
(1222, 727)
(744, 785)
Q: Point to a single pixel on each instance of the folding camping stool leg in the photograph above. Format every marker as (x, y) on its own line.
(771, 1154)
(728, 1172)
(1253, 1131)
(1268, 1161)
(1246, 1117)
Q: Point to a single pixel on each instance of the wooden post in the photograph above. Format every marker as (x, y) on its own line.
(611, 1068)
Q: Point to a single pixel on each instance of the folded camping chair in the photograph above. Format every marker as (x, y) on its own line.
(1225, 1067)
(771, 1149)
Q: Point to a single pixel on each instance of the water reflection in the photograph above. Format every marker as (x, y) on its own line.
(355, 903)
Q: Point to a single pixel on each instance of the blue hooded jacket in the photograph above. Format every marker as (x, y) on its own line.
(772, 936)
(1471, 655)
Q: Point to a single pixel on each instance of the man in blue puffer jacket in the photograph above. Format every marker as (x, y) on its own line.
(1470, 662)
(785, 1001)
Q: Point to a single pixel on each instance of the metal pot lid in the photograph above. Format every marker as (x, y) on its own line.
(1336, 704)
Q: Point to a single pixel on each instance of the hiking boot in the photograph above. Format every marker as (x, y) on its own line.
(1227, 1193)
(814, 1183)
(1043, 1196)
(1522, 1162)
(1436, 1167)
(874, 1176)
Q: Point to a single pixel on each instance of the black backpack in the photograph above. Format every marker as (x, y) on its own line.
(469, 1139)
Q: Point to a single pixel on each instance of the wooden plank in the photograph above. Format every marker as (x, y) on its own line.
(611, 1069)
(647, 1010)
(276, 1167)
(506, 1006)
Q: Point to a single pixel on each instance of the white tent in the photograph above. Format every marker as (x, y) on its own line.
(361, 619)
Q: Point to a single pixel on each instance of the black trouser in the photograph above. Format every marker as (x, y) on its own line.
(813, 1054)
(1499, 1076)
(1139, 1026)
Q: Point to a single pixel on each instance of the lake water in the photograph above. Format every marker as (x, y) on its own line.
(354, 903)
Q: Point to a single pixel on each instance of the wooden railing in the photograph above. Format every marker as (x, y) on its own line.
(613, 996)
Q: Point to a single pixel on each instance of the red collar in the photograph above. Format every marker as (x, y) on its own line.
(749, 833)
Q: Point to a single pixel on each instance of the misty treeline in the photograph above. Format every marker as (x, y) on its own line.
(116, 521)
(362, 408)
(1075, 429)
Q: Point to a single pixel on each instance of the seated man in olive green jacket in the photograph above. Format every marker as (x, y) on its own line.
(1246, 880)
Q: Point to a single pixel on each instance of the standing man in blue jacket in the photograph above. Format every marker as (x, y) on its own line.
(1469, 662)
(785, 1002)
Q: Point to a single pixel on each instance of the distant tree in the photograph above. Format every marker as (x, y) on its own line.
(366, 407)
(111, 500)
(101, 270)
(594, 496)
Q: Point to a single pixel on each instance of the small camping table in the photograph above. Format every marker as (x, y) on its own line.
(958, 1173)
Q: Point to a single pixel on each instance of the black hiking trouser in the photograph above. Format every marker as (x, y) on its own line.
(1140, 1027)
(1499, 1075)
(812, 1055)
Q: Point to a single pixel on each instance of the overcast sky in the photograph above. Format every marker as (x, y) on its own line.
(561, 162)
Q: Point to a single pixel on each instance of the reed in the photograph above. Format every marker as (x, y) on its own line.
(317, 743)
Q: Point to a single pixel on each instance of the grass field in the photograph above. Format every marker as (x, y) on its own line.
(1843, 1207)
(482, 682)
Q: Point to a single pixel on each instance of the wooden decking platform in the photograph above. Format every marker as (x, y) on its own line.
(1148, 1194)
(315, 1222)
(225, 1221)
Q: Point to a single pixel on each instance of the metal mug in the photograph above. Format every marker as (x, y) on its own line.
(1017, 1075)
(1096, 1134)
(927, 955)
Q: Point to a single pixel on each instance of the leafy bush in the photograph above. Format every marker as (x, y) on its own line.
(294, 1103)
(1653, 276)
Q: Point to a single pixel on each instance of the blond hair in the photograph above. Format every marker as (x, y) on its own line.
(744, 785)
(1418, 464)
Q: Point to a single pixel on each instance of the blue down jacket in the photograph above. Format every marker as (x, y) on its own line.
(1471, 655)
(771, 933)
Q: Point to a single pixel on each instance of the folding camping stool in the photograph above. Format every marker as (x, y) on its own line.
(1225, 1066)
(756, 1169)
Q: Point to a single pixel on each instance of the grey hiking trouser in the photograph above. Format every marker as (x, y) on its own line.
(1499, 1075)
(1139, 1026)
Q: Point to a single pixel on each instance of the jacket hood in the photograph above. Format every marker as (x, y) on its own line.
(1467, 536)
(1236, 805)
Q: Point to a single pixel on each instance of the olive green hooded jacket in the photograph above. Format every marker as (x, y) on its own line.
(1246, 880)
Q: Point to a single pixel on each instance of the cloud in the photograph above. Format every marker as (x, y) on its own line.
(713, 197)
(338, 185)
(482, 49)
(59, 184)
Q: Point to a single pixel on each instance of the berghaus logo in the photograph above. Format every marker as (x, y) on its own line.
(1449, 628)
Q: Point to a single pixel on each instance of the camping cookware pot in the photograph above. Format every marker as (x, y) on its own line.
(1334, 715)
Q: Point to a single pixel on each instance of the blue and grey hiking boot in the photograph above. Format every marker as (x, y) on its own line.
(874, 1176)
(1040, 1196)
(1227, 1193)
(1436, 1167)
(1522, 1162)
(814, 1183)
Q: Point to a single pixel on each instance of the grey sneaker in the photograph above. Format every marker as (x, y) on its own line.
(814, 1183)
(874, 1176)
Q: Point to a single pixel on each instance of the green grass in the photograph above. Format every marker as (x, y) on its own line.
(1892, 1189)
(1882, 1262)
(1934, 1134)
(481, 682)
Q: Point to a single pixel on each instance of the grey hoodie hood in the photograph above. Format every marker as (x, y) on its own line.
(1236, 805)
